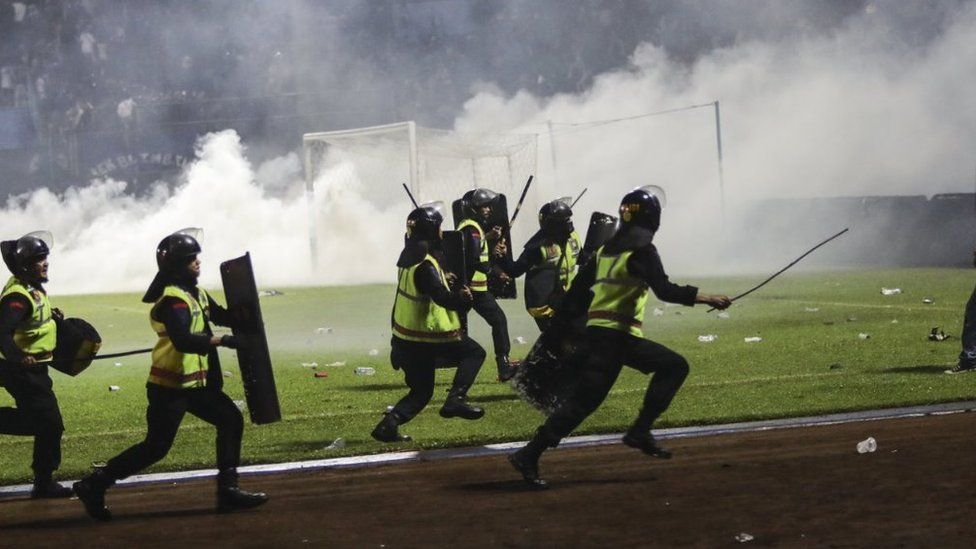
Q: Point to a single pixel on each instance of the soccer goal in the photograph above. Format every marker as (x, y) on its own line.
(435, 164)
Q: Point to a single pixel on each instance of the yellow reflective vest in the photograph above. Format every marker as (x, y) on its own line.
(479, 280)
(37, 335)
(416, 317)
(561, 259)
(171, 368)
(618, 298)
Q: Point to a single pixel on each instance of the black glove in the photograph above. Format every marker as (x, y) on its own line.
(231, 342)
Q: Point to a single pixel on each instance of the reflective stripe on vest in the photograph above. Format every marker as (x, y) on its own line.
(416, 317)
(618, 298)
(38, 334)
(171, 368)
(479, 280)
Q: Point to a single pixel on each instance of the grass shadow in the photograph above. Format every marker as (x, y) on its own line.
(929, 369)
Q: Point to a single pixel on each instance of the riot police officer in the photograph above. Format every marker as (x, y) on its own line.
(185, 377)
(28, 334)
(427, 330)
(619, 277)
(548, 261)
(478, 241)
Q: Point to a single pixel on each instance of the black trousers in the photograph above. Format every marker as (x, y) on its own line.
(164, 415)
(485, 305)
(419, 361)
(968, 354)
(37, 413)
(609, 351)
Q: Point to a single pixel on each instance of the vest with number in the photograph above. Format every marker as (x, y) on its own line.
(170, 367)
(37, 335)
(618, 298)
(416, 317)
(479, 280)
(559, 261)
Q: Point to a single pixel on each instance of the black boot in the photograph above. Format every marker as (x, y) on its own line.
(526, 459)
(46, 488)
(644, 441)
(231, 498)
(387, 430)
(506, 367)
(91, 492)
(455, 406)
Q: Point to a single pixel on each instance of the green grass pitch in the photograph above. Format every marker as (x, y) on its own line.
(811, 360)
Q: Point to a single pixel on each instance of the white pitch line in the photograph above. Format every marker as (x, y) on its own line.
(411, 456)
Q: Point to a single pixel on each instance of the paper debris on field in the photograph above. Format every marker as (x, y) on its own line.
(811, 309)
(863, 335)
(890, 291)
(852, 319)
(928, 300)
(113, 388)
(374, 352)
(118, 363)
(337, 363)
(723, 314)
(310, 364)
(241, 405)
(707, 338)
(228, 374)
(938, 335)
(658, 311)
(520, 340)
(337, 444)
(754, 339)
(744, 537)
(269, 293)
(323, 330)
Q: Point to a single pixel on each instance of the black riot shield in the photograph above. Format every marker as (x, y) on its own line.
(77, 344)
(252, 356)
(551, 371)
(602, 227)
(452, 243)
(499, 218)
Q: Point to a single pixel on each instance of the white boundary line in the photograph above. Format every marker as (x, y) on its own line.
(411, 456)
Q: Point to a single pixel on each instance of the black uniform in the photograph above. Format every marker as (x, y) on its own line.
(484, 302)
(418, 360)
(37, 413)
(542, 284)
(967, 357)
(609, 350)
(167, 406)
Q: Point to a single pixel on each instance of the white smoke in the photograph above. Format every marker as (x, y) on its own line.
(105, 240)
(863, 110)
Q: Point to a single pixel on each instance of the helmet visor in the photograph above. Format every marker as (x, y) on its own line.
(654, 190)
(567, 200)
(44, 236)
(194, 232)
(436, 205)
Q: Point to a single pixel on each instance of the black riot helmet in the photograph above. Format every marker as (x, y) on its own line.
(476, 199)
(424, 222)
(642, 207)
(176, 250)
(20, 255)
(555, 218)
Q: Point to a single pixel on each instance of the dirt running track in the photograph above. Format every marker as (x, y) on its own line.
(797, 487)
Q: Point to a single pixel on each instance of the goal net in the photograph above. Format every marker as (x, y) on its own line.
(435, 164)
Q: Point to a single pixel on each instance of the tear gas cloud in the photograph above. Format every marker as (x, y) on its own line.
(873, 100)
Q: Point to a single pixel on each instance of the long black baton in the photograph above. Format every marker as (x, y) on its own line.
(410, 194)
(573, 205)
(781, 271)
(96, 357)
(525, 190)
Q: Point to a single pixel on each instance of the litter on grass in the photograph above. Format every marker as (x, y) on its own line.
(241, 405)
(723, 314)
(269, 293)
(928, 300)
(365, 371)
(707, 338)
(520, 340)
(228, 374)
(863, 335)
(323, 330)
(113, 388)
(938, 335)
(374, 352)
(321, 374)
(337, 363)
(890, 291)
(337, 444)
(658, 312)
(754, 339)
(811, 309)
(310, 364)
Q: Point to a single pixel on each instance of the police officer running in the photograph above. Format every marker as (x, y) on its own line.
(967, 356)
(185, 377)
(548, 261)
(619, 276)
(28, 335)
(427, 330)
(477, 212)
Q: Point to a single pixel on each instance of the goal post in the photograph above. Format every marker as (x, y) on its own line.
(436, 164)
